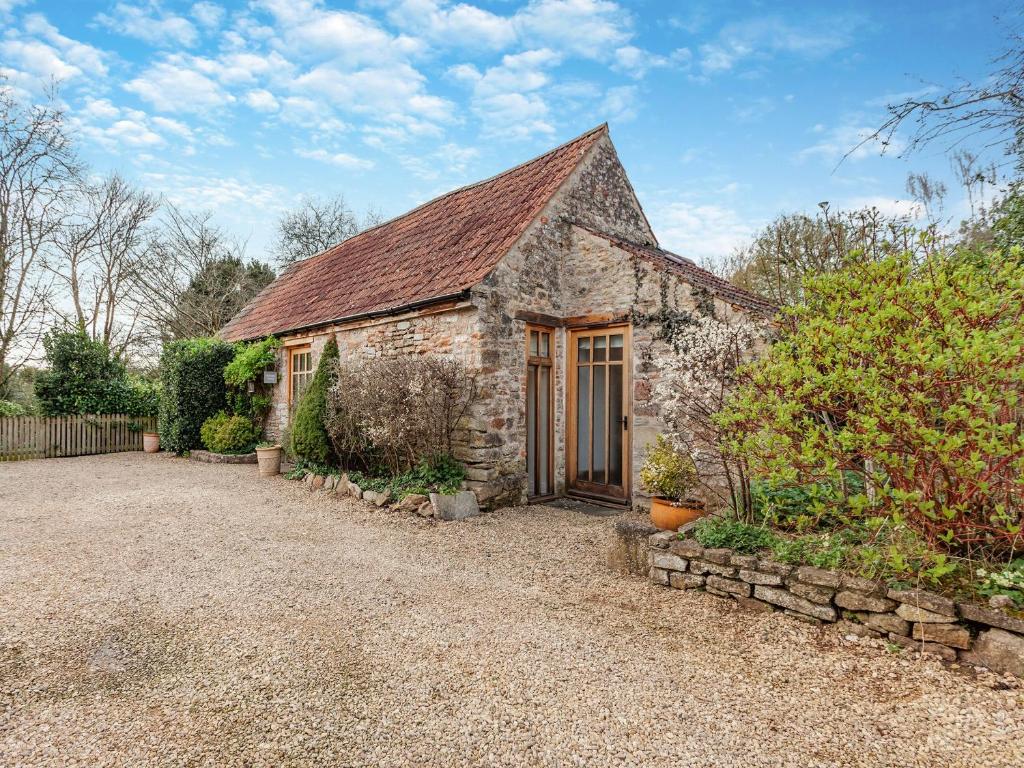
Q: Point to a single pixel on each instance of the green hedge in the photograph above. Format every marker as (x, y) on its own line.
(310, 441)
(192, 377)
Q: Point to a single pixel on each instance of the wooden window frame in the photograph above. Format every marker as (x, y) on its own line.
(549, 363)
(292, 351)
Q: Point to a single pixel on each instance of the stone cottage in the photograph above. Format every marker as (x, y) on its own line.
(544, 279)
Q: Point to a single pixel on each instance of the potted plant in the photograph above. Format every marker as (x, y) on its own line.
(268, 456)
(669, 475)
(150, 442)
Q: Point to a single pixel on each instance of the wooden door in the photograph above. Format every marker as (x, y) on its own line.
(598, 411)
(540, 443)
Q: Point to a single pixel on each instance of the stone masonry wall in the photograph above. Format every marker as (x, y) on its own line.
(912, 618)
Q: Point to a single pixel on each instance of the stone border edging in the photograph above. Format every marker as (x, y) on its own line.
(913, 618)
(457, 507)
(209, 457)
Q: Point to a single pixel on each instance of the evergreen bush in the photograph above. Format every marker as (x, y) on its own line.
(229, 434)
(309, 439)
(192, 379)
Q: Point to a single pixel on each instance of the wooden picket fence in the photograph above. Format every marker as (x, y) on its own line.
(48, 437)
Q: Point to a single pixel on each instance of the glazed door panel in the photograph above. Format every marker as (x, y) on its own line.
(598, 410)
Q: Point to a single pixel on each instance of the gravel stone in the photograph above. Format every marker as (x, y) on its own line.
(161, 612)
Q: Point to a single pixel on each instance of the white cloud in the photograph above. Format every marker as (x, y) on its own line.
(504, 96)
(262, 100)
(117, 128)
(460, 25)
(208, 15)
(700, 231)
(216, 194)
(887, 206)
(852, 141)
(341, 159)
(636, 62)
(151, 23)
(176, 85)
(588, 28)
(764, 37)
(42, 52)
(619, 104)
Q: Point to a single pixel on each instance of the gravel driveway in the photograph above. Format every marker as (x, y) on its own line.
(156, 611)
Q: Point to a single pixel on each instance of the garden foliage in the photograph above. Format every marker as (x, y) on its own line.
(395, 413)
(222, 433)
(909, 376)
(192, 378)
(9, 408)
(245, 373)
(85, 376)
(309, 439)
(666, 471)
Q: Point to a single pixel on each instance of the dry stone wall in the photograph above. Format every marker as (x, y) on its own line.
(912, 618)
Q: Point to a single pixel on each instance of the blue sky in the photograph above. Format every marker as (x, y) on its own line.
(724, 114)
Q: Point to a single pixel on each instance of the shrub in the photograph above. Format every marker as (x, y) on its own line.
(229, 434)
(192, 378)
(732, 534)
(911, 376)
(666, 471)
(806, 506)
(7, 408)
(84, 376)
(1008, 581)
(310, 441)
(399, 411)
(442, 474)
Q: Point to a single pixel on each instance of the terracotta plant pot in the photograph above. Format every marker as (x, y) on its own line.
(269, 460)
(150, 442)
(669, 515)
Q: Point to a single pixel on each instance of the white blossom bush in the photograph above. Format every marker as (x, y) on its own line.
(697, 378)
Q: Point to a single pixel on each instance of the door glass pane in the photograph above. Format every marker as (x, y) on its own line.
(615, 348)
(531, 429)
(583, 422)
(600, 428)
(615, 424)
(599, 348)
(533, 343)
(544, 427)
(583, 350)
(545, 345)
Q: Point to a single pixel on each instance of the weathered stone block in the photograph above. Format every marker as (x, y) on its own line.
(378, 499)
(817, 576)
(458, 507)
(661, 539)
(658, 576)
(668, 561)
(945, 652)
(743, 561)
(802, 616)
(991, 618)
(752, 604)
(687, 548)
(720, 556)
(920, 598)
(914, 614)
(630, 547)
(729, 586)
(852, 583)
(856, 601)
(685, 580)
(811, 592)
(702, 566)
(785, 599)
(885, 623)
(412, 502)
(847, 627)
(947, 634)
(771, 566)
(317, 482)
(756, 577)
(998, 650)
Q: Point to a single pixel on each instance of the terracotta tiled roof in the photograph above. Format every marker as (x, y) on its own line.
(691, 273)
(433, 251)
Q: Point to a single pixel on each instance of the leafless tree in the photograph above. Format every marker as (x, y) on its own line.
(994, 109)
(38, 170)
(316, 225)
(193, 277)
(99, 251)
